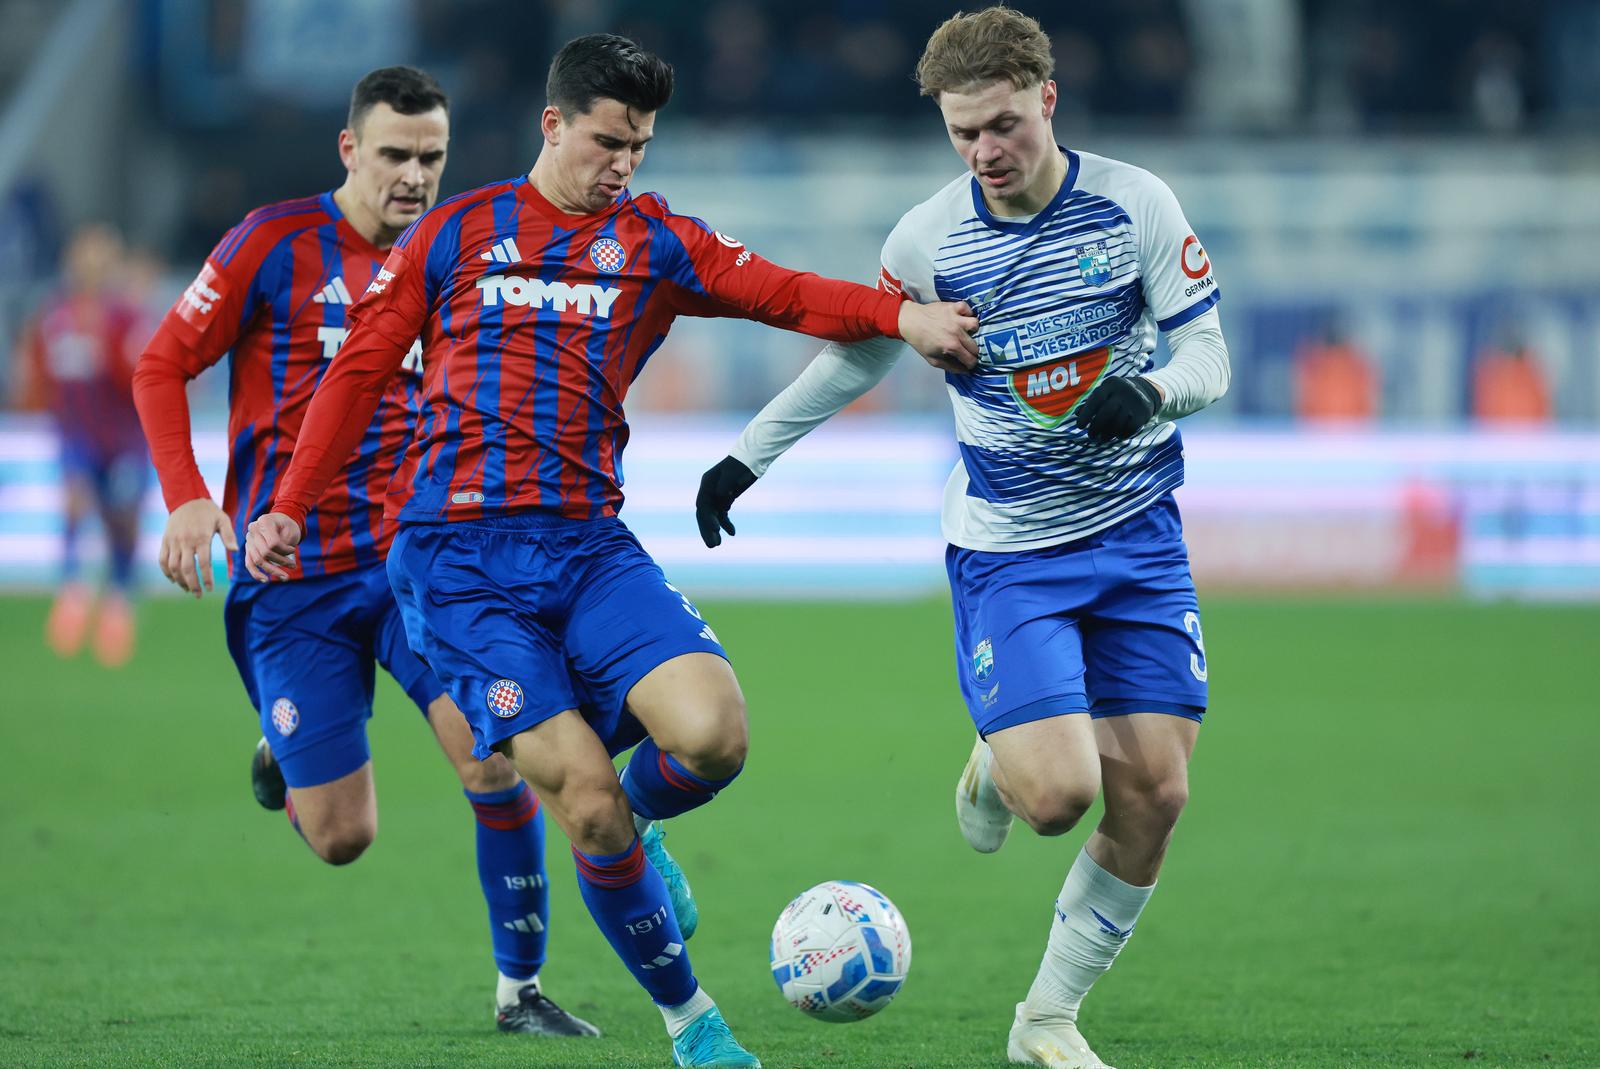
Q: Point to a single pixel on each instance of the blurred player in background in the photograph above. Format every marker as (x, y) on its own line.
(539, 300)
(274, 292)
(79, 356)
(1078, 638)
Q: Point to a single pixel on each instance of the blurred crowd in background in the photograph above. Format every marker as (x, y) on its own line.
(228, 104)
(1402, 199)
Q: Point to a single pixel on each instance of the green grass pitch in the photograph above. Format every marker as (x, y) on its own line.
(1391, 858)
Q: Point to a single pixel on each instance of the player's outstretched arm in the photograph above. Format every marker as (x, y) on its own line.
(719, 276)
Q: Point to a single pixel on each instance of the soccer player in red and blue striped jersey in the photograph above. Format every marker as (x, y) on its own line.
(78, 363)
(539, 300)
(274, 293)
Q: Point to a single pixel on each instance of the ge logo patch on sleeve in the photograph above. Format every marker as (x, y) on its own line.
(505, 698)
(285, 717)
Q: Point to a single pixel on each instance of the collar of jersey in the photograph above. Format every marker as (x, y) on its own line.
(541, 204)
(349, 232)
(1013, 226)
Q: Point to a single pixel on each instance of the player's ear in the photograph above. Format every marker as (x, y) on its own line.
(347, 148)
(1047, 97)
(550, 124)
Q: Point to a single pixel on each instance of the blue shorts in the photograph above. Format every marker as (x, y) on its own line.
(1106, 624)
(118, 481)
(306, 650)
(530, 614)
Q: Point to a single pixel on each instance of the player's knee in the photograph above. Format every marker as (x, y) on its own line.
(1163, 803)
(716, 746)
(1057, 808)
(483, 777)
(1153, 806)
(598, 822)
(342, 844)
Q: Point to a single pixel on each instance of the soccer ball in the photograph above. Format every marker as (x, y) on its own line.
(840, 951)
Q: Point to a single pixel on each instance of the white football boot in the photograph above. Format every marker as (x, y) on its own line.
(1052, 1042)
(985, 821)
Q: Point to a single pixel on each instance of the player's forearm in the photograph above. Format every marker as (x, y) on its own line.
(1198, 373)
(160, 394)
(838, 375)
(821, 307)
(340, 410)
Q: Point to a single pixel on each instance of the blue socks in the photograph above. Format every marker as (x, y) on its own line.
(511, 869)
(659, 788)
(628, 900)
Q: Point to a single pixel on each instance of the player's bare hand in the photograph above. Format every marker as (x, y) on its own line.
(188, 538)
(269, 546)
(944, 333)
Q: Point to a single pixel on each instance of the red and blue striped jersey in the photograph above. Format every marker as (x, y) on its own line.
(534, 323)
(81, 351)
(274, 294)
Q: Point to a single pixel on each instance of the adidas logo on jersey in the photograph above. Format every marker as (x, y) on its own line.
(334, 292)
(585, 298)
(531, 923)
(504, 252)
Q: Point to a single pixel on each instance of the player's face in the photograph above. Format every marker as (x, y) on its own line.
(395, 162)
(1004, 136)
(92, 258)
(596, 152)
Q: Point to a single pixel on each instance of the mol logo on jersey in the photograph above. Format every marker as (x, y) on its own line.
(1048, 392)
(585, 298)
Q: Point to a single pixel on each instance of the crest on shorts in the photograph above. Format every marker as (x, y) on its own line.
(285, 717)
(982, 660)
(1094, 263)
(608, 255)
(505, 698)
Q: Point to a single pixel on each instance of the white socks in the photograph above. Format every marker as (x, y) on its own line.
(507, 990)
(1094, 916)
(679, 1016)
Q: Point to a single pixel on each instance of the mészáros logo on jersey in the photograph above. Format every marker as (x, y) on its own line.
(1048, 392)
(584, 298)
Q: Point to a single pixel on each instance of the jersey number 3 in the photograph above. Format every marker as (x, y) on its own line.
(1197, 660)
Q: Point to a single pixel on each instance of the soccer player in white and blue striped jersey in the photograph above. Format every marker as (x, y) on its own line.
(1078, 640)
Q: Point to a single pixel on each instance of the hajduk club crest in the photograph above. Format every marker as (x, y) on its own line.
(608, 255)
(505, 698)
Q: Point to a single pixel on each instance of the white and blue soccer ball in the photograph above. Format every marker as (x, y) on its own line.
(840, 952)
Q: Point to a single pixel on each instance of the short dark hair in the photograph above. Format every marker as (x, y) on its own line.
(408, 90)
(605, 65)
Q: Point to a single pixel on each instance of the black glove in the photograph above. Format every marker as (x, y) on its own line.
(719, 489)
(1117, 409)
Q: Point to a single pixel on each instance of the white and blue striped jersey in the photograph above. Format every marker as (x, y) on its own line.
(1063, 298)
